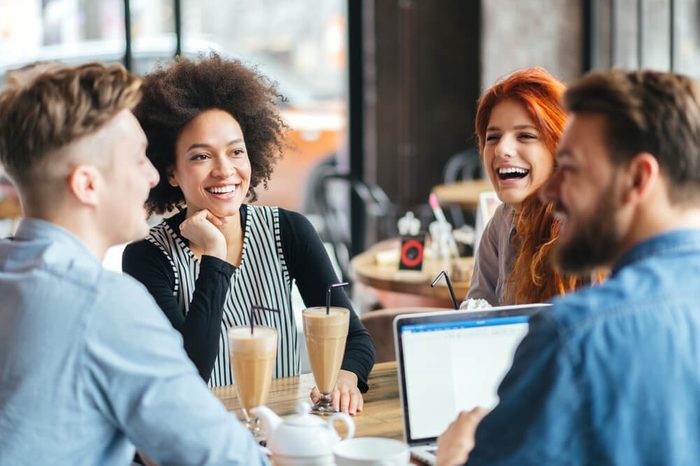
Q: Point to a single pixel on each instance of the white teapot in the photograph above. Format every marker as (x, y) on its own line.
(302, 439)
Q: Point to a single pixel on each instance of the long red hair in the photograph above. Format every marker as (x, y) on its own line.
(533, 278)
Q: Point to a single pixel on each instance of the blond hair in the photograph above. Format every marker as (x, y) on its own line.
(56, 108)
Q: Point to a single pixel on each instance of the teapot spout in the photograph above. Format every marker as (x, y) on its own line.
(270, 420)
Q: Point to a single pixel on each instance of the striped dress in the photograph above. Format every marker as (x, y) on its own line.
(262, 280)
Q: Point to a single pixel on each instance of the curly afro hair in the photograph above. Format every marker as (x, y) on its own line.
(176, 94)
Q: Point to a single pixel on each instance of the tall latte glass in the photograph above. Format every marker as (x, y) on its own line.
(252, 359)
(326, 330)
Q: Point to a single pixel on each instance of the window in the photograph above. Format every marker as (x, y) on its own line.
(300, 44)
(656, 34)
(68, 30)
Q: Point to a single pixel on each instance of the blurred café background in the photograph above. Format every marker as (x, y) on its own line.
(379, 94)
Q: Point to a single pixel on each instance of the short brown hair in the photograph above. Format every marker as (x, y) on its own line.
(174, 95)
(647, 111)
(59, 106)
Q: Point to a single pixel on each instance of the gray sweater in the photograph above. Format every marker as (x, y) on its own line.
(495, 257)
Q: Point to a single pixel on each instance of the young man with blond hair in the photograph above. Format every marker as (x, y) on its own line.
(89, 366)
(610, 374)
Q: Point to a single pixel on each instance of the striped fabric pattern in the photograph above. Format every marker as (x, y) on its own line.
(262, 280)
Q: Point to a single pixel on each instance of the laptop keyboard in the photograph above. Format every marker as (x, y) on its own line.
(424, 455)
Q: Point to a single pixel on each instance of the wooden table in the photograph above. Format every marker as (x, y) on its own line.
(381, 415)
(462, 193)
(378, 269)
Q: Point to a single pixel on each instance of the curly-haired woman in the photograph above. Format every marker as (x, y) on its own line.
(214, 134)
(518, 124)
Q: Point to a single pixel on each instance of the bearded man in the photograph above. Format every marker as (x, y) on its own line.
(611, 374)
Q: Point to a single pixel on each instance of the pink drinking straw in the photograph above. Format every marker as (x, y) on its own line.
(259, 308)
(449, 287)
(328, 294)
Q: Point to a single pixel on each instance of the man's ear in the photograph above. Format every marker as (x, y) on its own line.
(642, 176)
(84, 182)
(171, 177)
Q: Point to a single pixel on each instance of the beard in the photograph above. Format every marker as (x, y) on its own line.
(596, 242)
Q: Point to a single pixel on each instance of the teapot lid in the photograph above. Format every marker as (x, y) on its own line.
(303, 435)
(303, 416)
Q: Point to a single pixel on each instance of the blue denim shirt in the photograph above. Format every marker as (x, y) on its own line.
(90, 367)
(609, 374)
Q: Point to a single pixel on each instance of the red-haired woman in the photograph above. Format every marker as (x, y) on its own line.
(518, 124)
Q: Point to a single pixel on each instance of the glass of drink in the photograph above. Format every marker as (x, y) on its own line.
(325, 330)
(253, 351)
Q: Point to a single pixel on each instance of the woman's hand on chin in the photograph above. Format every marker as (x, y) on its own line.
(202, 230)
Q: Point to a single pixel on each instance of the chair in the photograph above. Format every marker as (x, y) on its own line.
(333, 192)
(464, 165)
(310, 201)
(380, 323)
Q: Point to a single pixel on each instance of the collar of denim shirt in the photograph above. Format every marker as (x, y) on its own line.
(671, 242)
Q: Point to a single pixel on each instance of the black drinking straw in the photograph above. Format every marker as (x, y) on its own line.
(449, 286)
(328, 294)
(259, 308)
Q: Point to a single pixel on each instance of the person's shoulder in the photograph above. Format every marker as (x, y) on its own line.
(503, 209)
(501, 220)
(271, 209)
(295, 224)
(139, 247)
(611, 317)
(117, 289)
(287, 218)
(504, 212)
(122, 302)
(147, 253)
(577, 313)
(294, 228)
(292, 216)
(164, 235)
(266, 214)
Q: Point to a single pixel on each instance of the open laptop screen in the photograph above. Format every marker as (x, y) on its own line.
(454, 363)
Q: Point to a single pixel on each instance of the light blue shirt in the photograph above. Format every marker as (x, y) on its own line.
(90, 367)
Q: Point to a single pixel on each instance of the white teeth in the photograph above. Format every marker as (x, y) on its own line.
(222, 189)
(505, 171)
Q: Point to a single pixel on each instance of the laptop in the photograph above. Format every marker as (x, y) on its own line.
(452, 361)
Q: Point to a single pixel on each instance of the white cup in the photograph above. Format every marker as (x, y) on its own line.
(371, 451)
